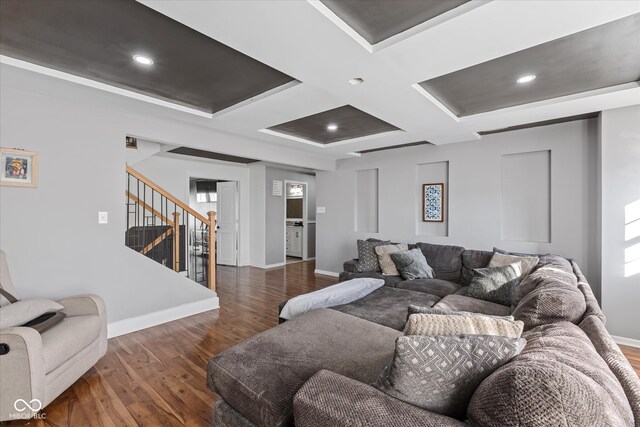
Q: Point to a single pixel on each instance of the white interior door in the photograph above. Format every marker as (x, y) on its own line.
(227, 232)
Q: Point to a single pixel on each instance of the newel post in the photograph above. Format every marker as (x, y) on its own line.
(176, 241)
(212, 250)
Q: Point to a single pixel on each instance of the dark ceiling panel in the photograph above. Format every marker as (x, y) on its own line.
(186, 151)
(351, 122)
(393, 147)
(542, 123)
(377, 20)
(96, 39)
(600, 57)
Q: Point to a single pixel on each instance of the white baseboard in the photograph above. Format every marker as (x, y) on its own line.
(266, 266)
(310, 259)
(326, 273)
(133, 324)
(626, 341)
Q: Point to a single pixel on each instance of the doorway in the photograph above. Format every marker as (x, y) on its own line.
(220, 196)
(296, 235)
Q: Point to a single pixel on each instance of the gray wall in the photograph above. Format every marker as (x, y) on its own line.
(275, 212)
(620, 173)
(53, 241)
(475, 195)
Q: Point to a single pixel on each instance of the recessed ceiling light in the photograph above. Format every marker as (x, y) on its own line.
(526, 79)
(144, 60)
(356, 81)
(332, 127)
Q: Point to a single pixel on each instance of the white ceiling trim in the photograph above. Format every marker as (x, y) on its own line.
(431, 23)
(572, 105)
(256, 98)
(396, 38)
(328, 13)
(101, 86)
(422, 91)
(331, 144)
(292, 138)
(551, 101)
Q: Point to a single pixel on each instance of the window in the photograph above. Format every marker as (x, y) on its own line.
(206, 191)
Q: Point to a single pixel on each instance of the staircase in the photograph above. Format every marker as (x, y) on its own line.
(165, 229)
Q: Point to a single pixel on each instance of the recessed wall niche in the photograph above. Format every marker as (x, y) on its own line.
(428, 173)
(526, 197)
(366, 207)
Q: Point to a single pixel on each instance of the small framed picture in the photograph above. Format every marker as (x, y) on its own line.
(19, 167)
(433, 202)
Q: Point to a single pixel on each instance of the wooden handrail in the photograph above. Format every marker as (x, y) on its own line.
(157, 241)
(212, 250)
(176, 241)
(149, 208)
(175, 225)
(166, 194)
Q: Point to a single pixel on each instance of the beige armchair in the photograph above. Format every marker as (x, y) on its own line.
(36, 368)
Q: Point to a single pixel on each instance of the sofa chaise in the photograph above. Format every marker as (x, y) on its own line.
(316, 369)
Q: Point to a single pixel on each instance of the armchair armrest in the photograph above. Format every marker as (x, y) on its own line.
(328, 399)
(21, 370)
(351, 266)
(83, 305)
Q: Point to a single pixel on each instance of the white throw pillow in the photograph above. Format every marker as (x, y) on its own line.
(384, 258)
(23, 311)
(527, 263)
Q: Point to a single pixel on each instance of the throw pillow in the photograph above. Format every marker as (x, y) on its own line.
(527, 263)
(502, 251)
(24, 311)
(439, 324)
(416, 309)
(384, 258)
(495, 284)
(412, 265)
(441, 373)
(367, 258)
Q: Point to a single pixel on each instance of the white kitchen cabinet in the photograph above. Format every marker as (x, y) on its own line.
(294, 241)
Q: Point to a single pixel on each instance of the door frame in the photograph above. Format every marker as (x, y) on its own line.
(305, 222)
(191, 176)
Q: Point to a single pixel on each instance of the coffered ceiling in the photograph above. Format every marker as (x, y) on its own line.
(338, 124)
(256, 65)
(377, 20)
(97, 39)
(605, 56)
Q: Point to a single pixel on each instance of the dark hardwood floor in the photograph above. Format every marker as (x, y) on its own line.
(156, 377)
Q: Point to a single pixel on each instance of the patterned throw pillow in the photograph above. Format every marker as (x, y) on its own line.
(527, 263)
(495, 284)
(417, 309)
(439, 324)
(440, 374)
(367, 258)
(384, 258)
(412, 265)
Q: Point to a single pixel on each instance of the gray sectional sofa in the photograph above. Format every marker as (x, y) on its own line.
(316, 369)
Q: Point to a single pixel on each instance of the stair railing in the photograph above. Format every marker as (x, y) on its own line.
(167, 230)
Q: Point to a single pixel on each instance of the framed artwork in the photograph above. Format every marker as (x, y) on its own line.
(19, 167)
(433, 202)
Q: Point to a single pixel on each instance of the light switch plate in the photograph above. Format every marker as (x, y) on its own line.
(103, 217)
(321, 209)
